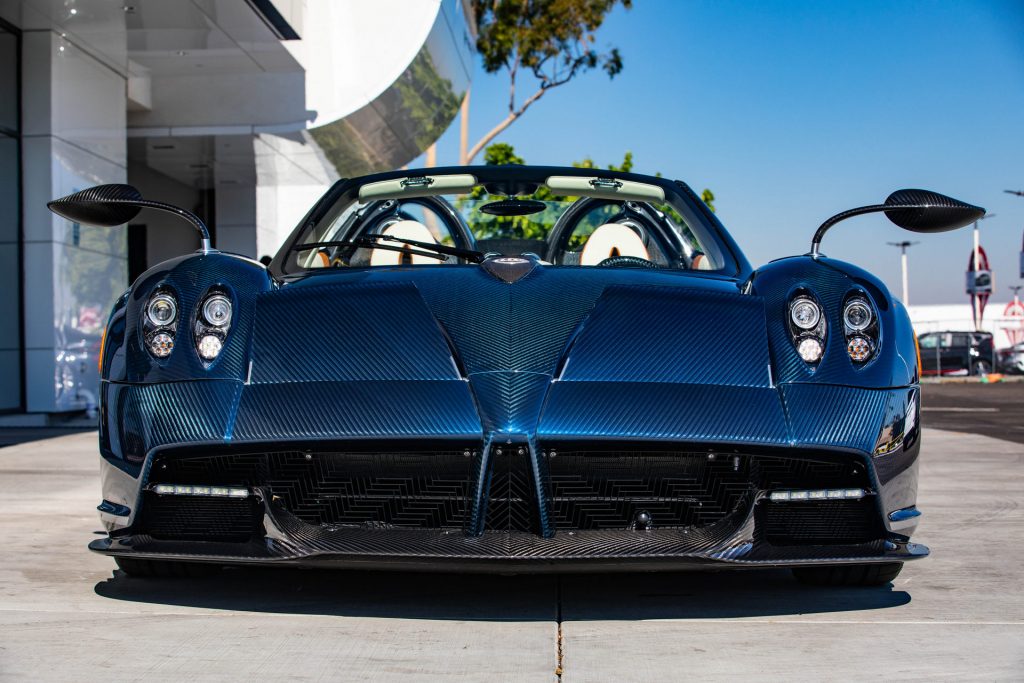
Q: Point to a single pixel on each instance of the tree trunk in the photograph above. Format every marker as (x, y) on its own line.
(464, 131)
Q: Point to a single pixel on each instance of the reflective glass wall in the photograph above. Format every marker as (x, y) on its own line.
(10, 224)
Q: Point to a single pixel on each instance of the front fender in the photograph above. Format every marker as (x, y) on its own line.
(895, 361)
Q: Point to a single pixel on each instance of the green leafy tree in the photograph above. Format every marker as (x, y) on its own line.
(708, 197)
(537, 225)
(552, 39)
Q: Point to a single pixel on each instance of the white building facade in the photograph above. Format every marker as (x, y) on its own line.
(243, 111)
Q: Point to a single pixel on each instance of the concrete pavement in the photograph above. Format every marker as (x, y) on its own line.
(66, 615)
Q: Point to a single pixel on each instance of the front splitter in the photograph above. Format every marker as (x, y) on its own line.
(483, 558)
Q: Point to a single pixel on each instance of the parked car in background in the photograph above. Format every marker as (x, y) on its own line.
(1011, 359)
(957, 353)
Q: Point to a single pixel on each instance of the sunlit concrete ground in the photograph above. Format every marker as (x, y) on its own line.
(65, 614)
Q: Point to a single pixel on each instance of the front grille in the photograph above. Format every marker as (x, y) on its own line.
(511, 501)
(410, 490)
(586, 490)
(675, 490)
(819, 522)
(191, 518)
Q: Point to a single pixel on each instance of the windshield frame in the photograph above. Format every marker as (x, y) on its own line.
(345, 192)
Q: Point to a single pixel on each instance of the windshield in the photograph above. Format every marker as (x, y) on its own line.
(463, 228)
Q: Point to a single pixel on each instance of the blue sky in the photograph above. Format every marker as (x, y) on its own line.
(793, 111)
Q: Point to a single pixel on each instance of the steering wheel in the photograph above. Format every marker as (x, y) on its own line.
(627, 262)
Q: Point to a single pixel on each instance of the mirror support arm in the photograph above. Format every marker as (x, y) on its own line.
(195, 220)
(874, 208)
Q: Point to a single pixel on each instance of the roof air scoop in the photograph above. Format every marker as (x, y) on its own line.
(509, 269)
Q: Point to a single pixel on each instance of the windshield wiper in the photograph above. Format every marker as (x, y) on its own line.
(366, 244)
(468, 254)
(370, 241)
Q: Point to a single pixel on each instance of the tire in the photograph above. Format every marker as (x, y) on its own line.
(981, 368)
(163, 569)
(849, 574)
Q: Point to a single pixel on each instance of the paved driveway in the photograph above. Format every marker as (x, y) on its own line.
(66, 615)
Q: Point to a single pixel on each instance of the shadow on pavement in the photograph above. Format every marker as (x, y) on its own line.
(688, 595)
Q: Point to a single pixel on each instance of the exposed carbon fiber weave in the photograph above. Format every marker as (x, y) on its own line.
(664, 411)
(355, 332)
(671, 334)
(509, 402)
(846, 417)
(347, 410)
(137, 418)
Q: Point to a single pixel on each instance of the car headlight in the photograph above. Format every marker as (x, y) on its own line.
(857, 314)
(810, 349)
(217, 310)
(161, 344)
(209, 346)
(807, 327)
(212, 323)
(160, 323)
(860, 327)
(804, 313)
(162, 310)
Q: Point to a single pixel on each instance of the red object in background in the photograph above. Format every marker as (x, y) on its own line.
(89, 318)
(979, 292)
(1014, 330)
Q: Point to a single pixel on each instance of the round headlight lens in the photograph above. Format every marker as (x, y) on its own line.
(857, 314)
(210, 346)
(162, 310)
(804, 313)
(859, 349)
(810, 350)
(217, 310)
(161, 345)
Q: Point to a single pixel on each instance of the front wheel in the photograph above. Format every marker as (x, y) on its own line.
(849, 574)
(164, 569)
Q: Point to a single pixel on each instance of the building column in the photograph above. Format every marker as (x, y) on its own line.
(73, 137)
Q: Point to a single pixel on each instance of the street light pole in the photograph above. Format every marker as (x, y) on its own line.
(977, 239)
(903, 263)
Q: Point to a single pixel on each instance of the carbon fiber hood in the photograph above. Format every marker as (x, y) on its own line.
(561, 352)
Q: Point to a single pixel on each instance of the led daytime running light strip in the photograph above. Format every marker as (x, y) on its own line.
(817, 494)
(216, 491)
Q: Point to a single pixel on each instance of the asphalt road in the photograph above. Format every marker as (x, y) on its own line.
(66, 614)
(991, 409)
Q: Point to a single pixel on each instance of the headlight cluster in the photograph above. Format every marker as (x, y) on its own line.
(210, 326)
(807, 327)
(860, 325)
(160, 322)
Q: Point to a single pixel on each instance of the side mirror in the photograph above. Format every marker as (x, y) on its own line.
(104, 205)
(915, 210)
(108, 206)
(929, 211)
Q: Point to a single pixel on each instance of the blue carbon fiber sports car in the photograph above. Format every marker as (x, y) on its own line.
(513, 369)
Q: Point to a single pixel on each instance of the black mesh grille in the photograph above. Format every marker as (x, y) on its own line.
(815, 523)
(193, 518)
(511, 501)
(592, 490)
(676, 490)
(411, 490)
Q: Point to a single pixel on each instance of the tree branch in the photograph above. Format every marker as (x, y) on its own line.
(512, 84)
(505, 123)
